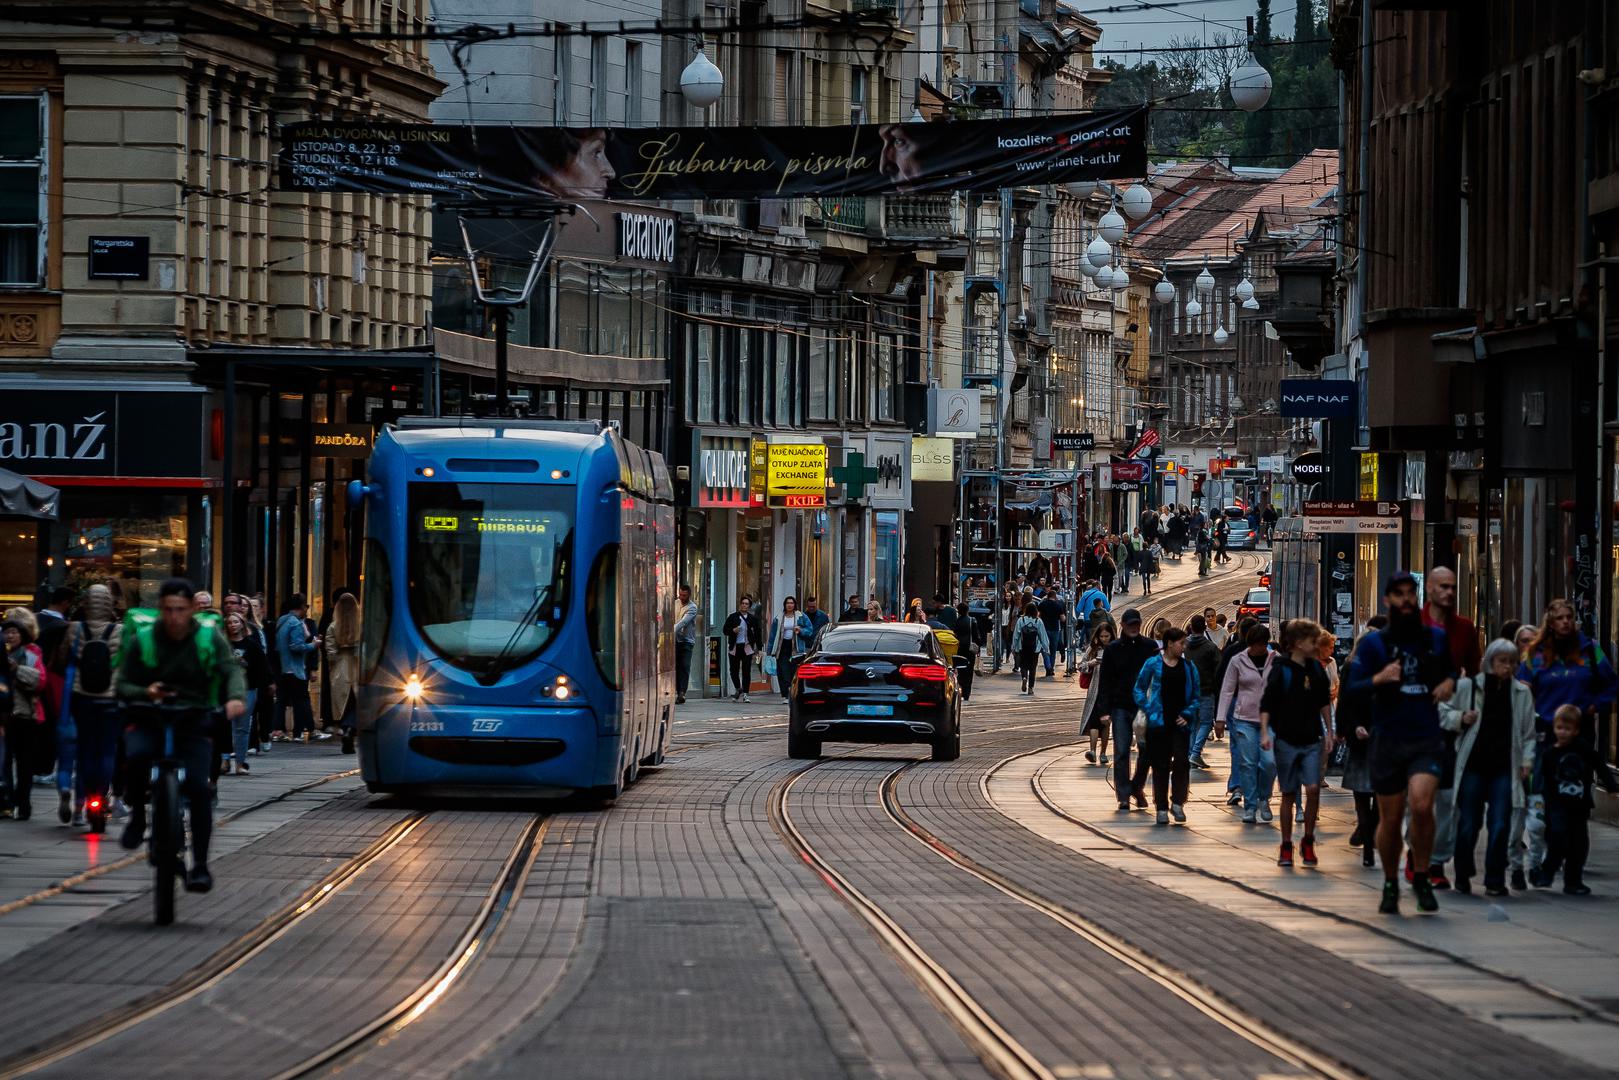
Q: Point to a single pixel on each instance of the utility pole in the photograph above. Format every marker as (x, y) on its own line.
(1003, 382)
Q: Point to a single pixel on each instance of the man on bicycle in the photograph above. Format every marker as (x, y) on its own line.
(178, 660)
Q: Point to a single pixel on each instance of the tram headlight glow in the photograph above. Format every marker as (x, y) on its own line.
(563, 691)
(413, 688)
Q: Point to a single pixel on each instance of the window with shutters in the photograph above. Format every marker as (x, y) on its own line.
(859, 92)
(598, 80)
(784, 106)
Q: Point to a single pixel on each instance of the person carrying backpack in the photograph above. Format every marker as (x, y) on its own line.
(90, 655)
(1029, 640)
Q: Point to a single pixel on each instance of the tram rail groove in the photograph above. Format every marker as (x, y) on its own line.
(1203, 998)
(101, 1027)
(472, 946)
(995, 1046)
(67, 884)
(1585, 1009)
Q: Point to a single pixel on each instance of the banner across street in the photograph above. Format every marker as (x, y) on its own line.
(499, 162)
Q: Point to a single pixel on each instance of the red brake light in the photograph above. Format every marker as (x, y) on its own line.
(819, 671)
(925, 672)
(1264, 579)
(93, 803)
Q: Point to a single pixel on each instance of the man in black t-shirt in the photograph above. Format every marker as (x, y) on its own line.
(1295, 715)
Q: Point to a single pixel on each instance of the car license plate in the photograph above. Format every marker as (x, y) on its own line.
(871, 710)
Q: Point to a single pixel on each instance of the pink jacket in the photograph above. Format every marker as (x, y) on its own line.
(1244, 685)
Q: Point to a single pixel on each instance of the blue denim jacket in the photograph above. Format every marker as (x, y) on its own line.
(1149, 693)
(292, 645)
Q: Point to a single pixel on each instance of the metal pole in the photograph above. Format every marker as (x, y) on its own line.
(1003, 382)
(503, 317)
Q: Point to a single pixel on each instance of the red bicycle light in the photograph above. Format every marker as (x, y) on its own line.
(924, 672)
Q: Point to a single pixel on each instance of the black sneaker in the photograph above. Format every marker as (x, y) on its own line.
(1391, 899)
(1576, 890)
(1519, 882)
(134, 829)
(64, 808)
(199, 880)
(1422, 889)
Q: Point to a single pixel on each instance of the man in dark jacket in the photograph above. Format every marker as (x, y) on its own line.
(1051, 610)
(1121, 664)
(1203, 654)
(854, 611)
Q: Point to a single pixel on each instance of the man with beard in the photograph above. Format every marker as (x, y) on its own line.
(1404, 671)
(1439, 610)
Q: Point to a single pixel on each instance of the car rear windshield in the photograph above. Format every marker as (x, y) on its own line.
(1258, 596)
(876, 641)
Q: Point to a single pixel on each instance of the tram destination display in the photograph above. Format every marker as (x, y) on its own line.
(519, 163)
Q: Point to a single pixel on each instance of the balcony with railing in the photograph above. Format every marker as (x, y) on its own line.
(919, 217)
(876, 7)
(845, 213)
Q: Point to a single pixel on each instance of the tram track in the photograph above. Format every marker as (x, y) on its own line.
(67, 884)
(1036, 783)
(1001, 1051)
(472, 945)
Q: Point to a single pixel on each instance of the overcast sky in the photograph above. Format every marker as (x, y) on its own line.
(1197, 19)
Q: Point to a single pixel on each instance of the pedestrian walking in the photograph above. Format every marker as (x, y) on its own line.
(1562, 667)
(818, 619)
(852, 612)
(1568, 765)
(1354, 725)
(1029, 641)
(293, 644)
(1152, 564)
(789, 638)
(89, 653)
(1295, 724)
(971, 636)
(249, 653)
(874, 611)
(1204, 655)
(1098, 718)
(1241, 692)
(1167, 694)
(343, 665)
(24, 720)
(1122, 662)
(1493, 716)
(743, 636)
(1406, 668)
(1051, 610)
(266, 713)
(1236, 642)
(685, 643)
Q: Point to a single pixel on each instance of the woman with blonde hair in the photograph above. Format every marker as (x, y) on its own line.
(343, 663)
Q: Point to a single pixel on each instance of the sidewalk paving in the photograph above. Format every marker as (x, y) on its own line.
(37, 855)
(1538, 963)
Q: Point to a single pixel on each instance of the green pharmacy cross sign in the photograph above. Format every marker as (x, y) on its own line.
(855, 475)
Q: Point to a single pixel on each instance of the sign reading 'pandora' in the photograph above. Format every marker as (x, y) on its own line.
(568, 164)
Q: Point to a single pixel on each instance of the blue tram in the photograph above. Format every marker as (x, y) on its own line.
(518, 609)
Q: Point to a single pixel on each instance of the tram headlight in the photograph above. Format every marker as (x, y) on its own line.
(413, 688)
(559, 690)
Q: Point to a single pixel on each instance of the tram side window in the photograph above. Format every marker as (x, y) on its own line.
(377, 610)
(601, 612)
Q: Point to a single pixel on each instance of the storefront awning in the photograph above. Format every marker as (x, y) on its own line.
(21, 497)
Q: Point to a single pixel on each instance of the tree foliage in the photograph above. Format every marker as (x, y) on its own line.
(1193, 114)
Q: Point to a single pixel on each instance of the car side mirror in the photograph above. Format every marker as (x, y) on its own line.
(962, 663)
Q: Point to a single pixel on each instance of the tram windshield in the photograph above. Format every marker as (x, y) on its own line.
(488, 569)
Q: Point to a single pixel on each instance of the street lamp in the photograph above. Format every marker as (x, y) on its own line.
(1137, 201)
(1099, 252)
(702, 83)
(1220, 336)
(1250, 83)
(1205, 280)
(1112, 226)
(1163, 292)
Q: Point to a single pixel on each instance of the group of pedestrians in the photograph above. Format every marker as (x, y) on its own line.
(1443, 744)
(62, 721)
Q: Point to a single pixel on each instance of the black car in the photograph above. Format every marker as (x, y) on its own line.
(875, 683)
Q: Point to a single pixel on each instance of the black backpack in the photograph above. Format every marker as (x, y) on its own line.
(95, 660)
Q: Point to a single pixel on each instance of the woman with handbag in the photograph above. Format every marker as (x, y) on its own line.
(1098, 720)
(790, 633)
(742, 638)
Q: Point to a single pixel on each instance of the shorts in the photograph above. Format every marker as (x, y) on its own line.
(1394, 761)
(1297, 766)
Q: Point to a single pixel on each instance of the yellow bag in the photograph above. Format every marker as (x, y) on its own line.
(949, 643)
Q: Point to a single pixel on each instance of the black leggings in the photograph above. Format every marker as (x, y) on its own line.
(22, 741)
(1027, 662)
(1366, 818)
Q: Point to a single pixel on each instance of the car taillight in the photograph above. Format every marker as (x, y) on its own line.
(819, 671)
(93, 803)
(925, 672)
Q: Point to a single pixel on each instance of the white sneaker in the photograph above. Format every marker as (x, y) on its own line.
(1298, 816)
(1265, 814)
(1178, 812)
(747, 699)
(264, 748)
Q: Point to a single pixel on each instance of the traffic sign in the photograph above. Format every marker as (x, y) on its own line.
(1351, 516)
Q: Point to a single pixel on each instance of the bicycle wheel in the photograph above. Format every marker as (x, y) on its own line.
(167, 837)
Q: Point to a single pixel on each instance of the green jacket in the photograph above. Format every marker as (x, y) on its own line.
(178, 664)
